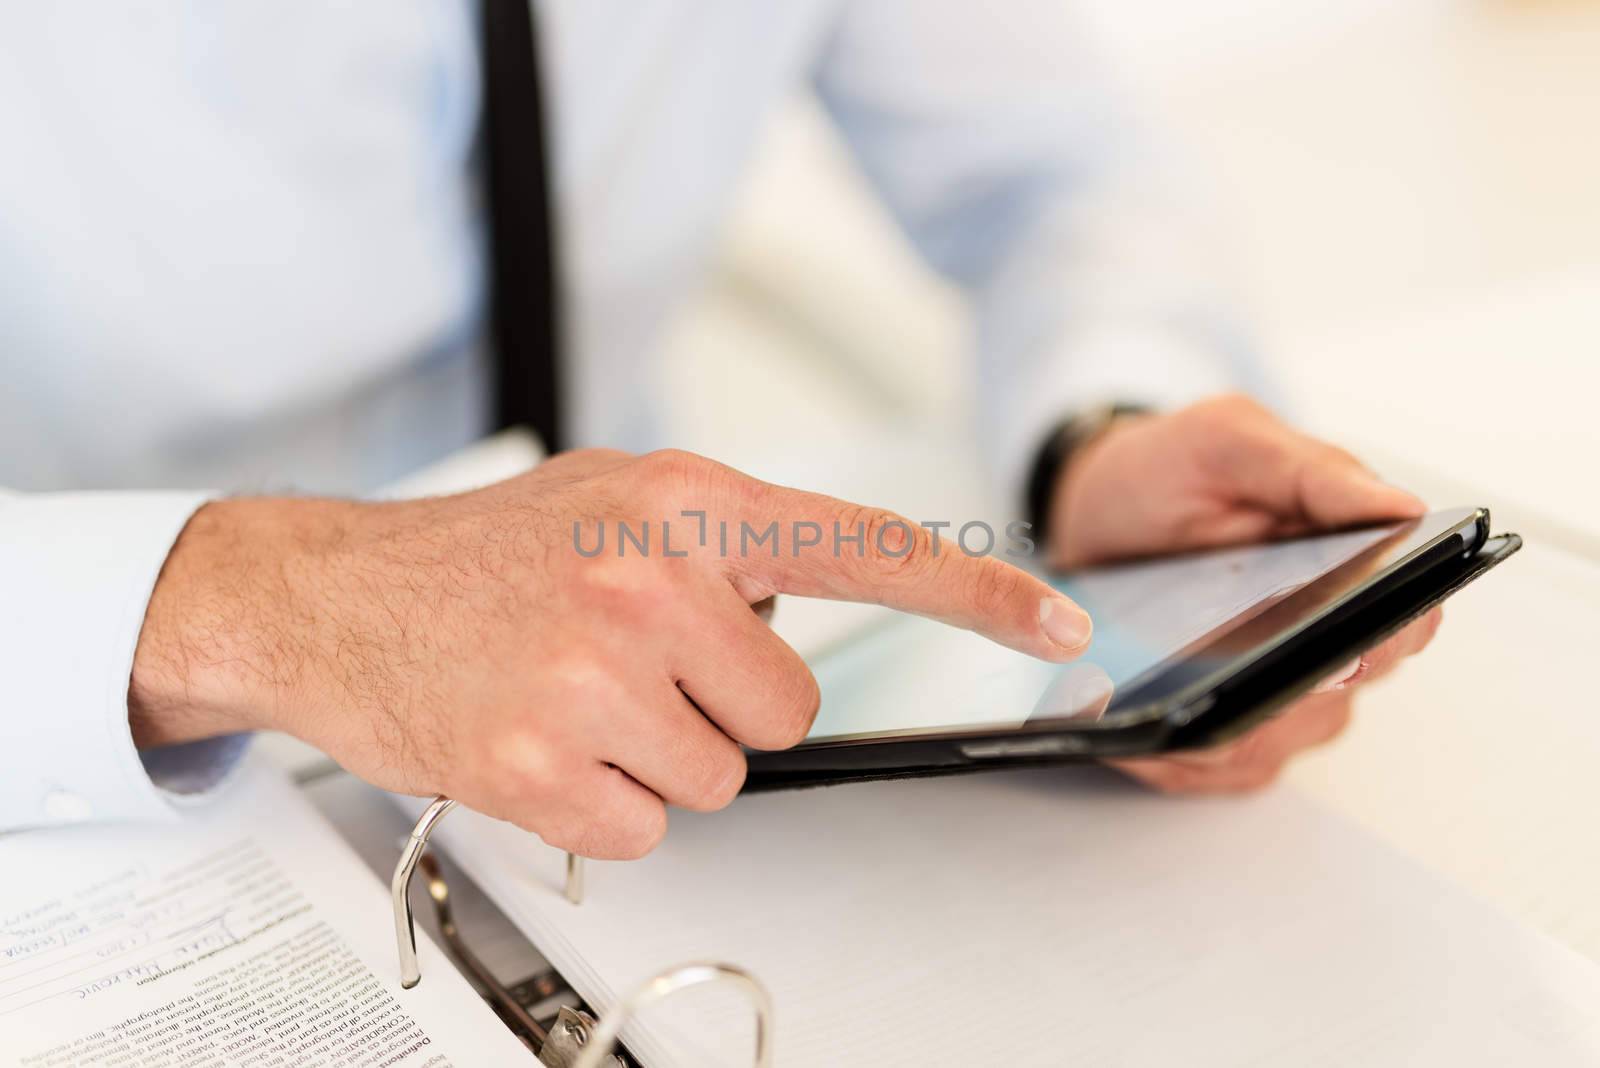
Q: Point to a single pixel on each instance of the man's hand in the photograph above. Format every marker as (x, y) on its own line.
(464, 645)
(1222, 472)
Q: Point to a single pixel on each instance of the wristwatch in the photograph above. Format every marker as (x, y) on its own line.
(1068, 436)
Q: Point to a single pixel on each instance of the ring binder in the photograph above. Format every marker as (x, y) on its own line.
(416, 844)
(576, 1040)
(700, 973)
(512, 1010)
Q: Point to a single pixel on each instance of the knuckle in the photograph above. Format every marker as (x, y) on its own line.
(639, 835)
(674, 474)
(893, 544)
(791, 699)
(534, 803)
(670, 462)
(799, 698)
(627, 587)
(607, 576)
(586, 838)
(566, 828)
(613, 832)
(994, 584)
(514, 763)
(719, 780)
(584, 680)
(522, 770)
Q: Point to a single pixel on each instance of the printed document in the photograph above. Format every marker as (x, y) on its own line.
(247, 934)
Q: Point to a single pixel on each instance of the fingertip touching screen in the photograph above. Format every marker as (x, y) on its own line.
(1157, 624)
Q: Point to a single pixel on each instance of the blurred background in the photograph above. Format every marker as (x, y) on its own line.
(1410, 196)
(1410, 193)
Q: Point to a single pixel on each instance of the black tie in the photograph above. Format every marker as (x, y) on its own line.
(523, 306)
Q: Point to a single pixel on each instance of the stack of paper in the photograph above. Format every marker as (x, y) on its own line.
(1049, 918)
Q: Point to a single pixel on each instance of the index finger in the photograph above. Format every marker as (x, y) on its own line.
(812, 545)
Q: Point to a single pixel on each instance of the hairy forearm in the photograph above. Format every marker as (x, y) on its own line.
(228, 636)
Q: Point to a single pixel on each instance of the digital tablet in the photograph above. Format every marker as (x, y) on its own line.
(1188, 651)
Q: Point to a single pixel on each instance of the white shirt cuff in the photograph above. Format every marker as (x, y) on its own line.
(76, 571)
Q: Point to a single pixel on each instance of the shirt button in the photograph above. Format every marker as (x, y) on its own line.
(64, 807)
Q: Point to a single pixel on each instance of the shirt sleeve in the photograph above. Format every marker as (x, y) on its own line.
(77, 571)
(1015, 166)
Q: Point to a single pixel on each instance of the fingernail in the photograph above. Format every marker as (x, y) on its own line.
(1065, 623)
(1338, 680)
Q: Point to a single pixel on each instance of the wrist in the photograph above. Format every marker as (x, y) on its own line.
(224, 645)
(1062, 451)
(1073, 497)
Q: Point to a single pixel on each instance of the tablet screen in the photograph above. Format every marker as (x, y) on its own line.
(1174, 618)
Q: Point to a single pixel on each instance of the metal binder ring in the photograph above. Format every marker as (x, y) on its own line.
(405, 932)
(606, 1032)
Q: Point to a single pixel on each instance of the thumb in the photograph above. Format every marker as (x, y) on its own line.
(1338, 491)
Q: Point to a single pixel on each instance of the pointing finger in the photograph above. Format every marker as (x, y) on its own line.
(868, 555)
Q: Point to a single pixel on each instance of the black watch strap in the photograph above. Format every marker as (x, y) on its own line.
(1068, 436)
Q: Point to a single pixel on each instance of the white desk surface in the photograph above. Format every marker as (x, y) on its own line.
(1494, 392)
(1478, 759)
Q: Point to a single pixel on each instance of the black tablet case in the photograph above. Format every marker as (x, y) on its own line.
(1231, 712)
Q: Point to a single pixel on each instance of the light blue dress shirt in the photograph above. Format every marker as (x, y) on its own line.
(241, 250)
